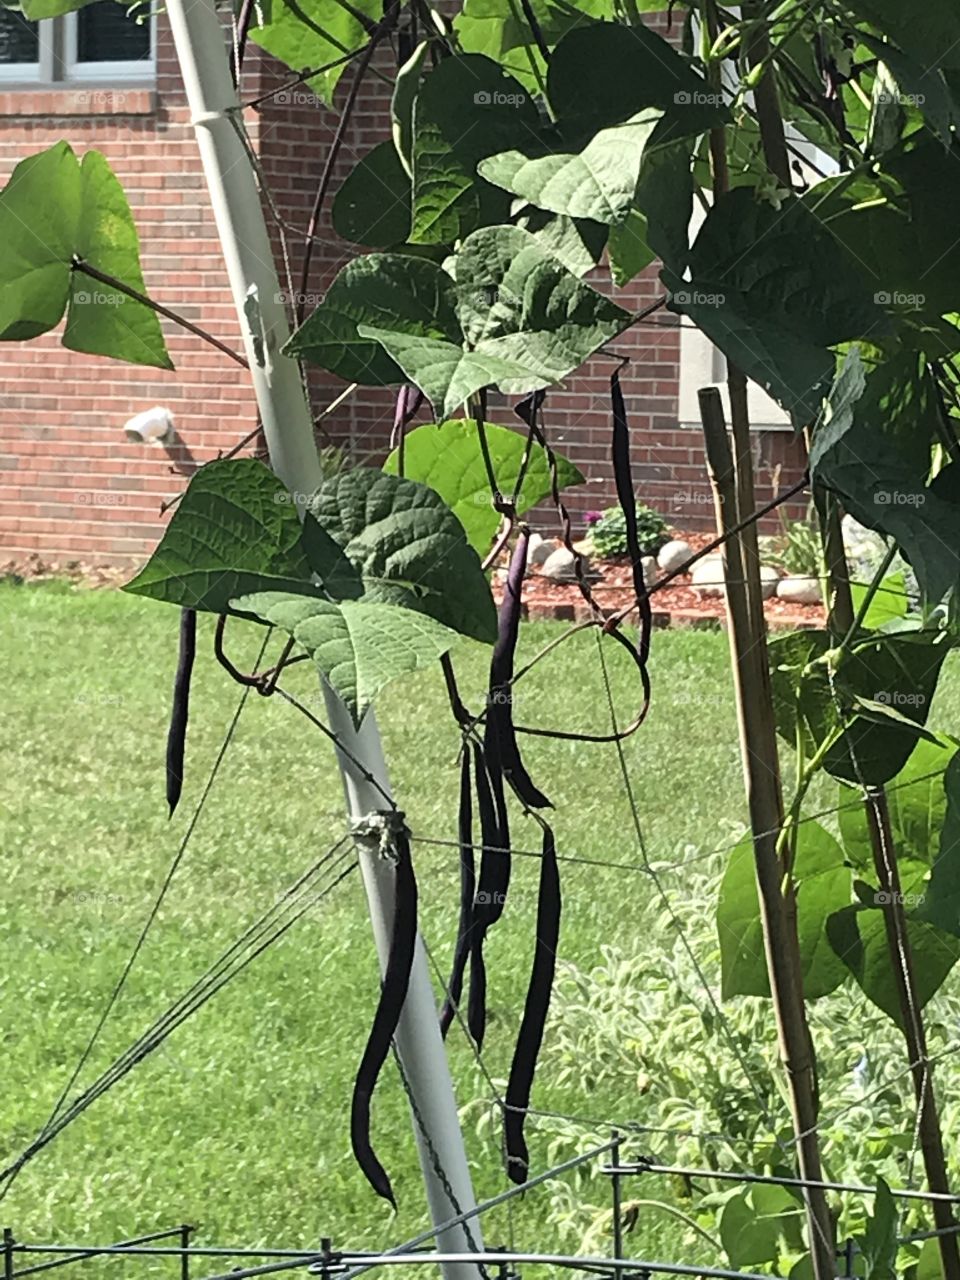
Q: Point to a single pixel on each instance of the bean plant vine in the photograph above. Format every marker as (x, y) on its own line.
(541, 158)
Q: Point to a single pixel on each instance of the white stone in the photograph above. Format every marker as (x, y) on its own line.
(649, 570)
(674, 554)
(769, 581)
(799, 590)
(538, 549)
(559, 566)
(706, 577)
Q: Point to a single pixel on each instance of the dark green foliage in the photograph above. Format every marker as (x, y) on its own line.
(609, 534)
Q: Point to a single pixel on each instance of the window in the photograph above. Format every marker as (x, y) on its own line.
(702, 365)
(104, 41)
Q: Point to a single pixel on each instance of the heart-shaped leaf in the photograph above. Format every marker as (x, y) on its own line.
(515, 318)
(858, 935)
(235, 530)
(448, 458)
(525, 322)
(823, 888)
(597, 182)
(774, 290)
(407, 547)
(358, 646)
(54, 210)
(876, 706)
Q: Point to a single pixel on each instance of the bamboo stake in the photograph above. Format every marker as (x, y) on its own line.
(914, 1032)
(758, 744)
(736, 379)
(840, 622)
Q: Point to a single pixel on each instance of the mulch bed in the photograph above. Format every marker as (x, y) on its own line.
(674, 606)
(34, 568)
(677, 605)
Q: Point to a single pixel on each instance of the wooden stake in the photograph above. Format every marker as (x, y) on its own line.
(778, 906)
(921, 1069)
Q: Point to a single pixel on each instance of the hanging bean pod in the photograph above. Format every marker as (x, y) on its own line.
(535, 1011)
(393, 994)
(501, 739)
(623, 479)
(468, 885)
(491, 890)
(180, 709)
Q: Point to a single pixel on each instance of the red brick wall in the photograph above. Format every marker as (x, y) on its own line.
(72, 486)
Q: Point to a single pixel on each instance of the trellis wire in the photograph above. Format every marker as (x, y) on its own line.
(684, 864)
(12, 1171)
(225, 968)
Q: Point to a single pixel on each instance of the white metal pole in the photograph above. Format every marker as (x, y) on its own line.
(288, 428)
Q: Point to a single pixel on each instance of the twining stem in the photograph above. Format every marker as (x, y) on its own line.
(328, 168)
(81, 265)
(914, 1032)
(840, 617)
(776, 891)
(308, 74)
(736, 379)
(869, 595)
(904, 974)
(843, 625)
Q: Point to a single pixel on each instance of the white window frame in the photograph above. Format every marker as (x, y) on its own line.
(143, 69)
(704, 365)
(58, 50)
(701, 363)
(33, 73)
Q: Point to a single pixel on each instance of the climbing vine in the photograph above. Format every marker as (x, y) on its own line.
(793, 167)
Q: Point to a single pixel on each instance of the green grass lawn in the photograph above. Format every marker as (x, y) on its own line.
(239, 1122)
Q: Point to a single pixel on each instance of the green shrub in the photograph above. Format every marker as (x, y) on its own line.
(609, 533)
(796, 549)
(637, 1033)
